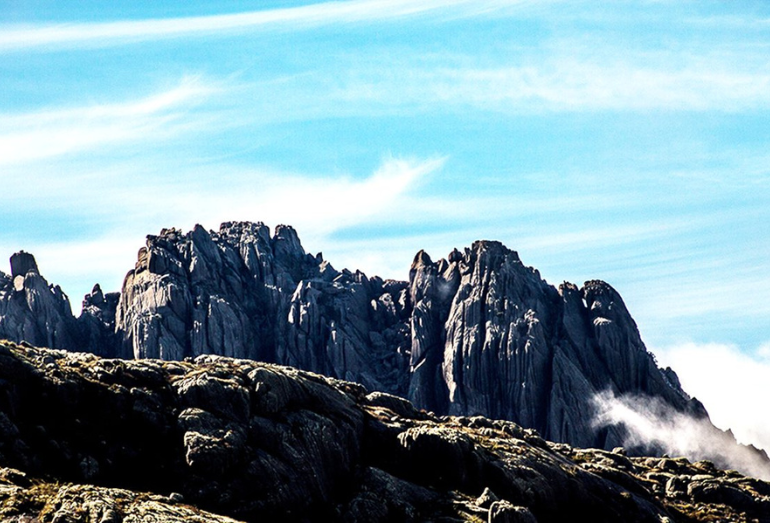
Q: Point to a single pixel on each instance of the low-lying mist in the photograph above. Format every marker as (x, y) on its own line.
(652, 424)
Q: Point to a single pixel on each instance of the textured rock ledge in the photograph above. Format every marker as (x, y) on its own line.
(33, 501)
(84, 439)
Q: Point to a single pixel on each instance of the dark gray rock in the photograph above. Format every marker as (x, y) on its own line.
(97, 322)
(22, 263)
(139, 440)
(383, 497)
(477, 333)
(31, 310)
(196, 429)
(240, 292)
(505, 512)
(490, 337)
(398, 405)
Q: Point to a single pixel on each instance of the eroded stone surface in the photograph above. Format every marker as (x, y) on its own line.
(125, 440)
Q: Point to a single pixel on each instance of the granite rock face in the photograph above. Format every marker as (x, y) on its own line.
(31, 310)
(477, 333)
(506, 344)
(243, 293)
(97, 322)
(85, 439)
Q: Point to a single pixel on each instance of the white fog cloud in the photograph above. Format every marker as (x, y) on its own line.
(651, 423)
(732, 384)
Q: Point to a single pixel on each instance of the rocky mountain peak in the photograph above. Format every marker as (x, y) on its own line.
(95, 298)
(31, 310)
(604, 302)
(475, 333)
(286, 242)
(23, 263)
(421, 259)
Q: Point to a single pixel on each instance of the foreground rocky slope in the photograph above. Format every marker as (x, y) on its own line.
(477, 333)
(84, 439)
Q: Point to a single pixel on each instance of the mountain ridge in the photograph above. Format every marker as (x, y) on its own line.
(475, 333)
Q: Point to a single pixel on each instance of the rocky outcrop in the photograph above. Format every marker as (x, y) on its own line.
(477, 333)
(509, 345)
(25, 500)
(242, 293)
(85, 439)
(31, 310)
(225, 434)
(97, 322)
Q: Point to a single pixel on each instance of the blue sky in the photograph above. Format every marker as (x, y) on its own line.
(626, 141)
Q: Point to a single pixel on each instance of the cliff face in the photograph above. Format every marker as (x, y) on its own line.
(34, 311)
(490, 337)
(91, 440)
(245, 294)
(477, 333)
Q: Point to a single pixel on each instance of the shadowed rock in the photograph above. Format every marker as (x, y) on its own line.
(85, 439)
(31, 310)
(22, 263)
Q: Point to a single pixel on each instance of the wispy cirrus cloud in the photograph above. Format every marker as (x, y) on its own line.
(722, 83)
(317, 205)
(131, 202)
(144, 194)
(43, 134)
(553, 78)
(312, 15)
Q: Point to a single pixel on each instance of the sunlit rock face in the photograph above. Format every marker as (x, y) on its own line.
(490, 337)
(476, 333)
(31, 310)
(245, 293)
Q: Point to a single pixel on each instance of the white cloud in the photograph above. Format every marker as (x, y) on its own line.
(390, 255)
(651, 423)
(317, 206)
(14, 37)
(763, 352)
(577, 83)
(131, 203)
(44, 134)
(593, 238)
(732, 384)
